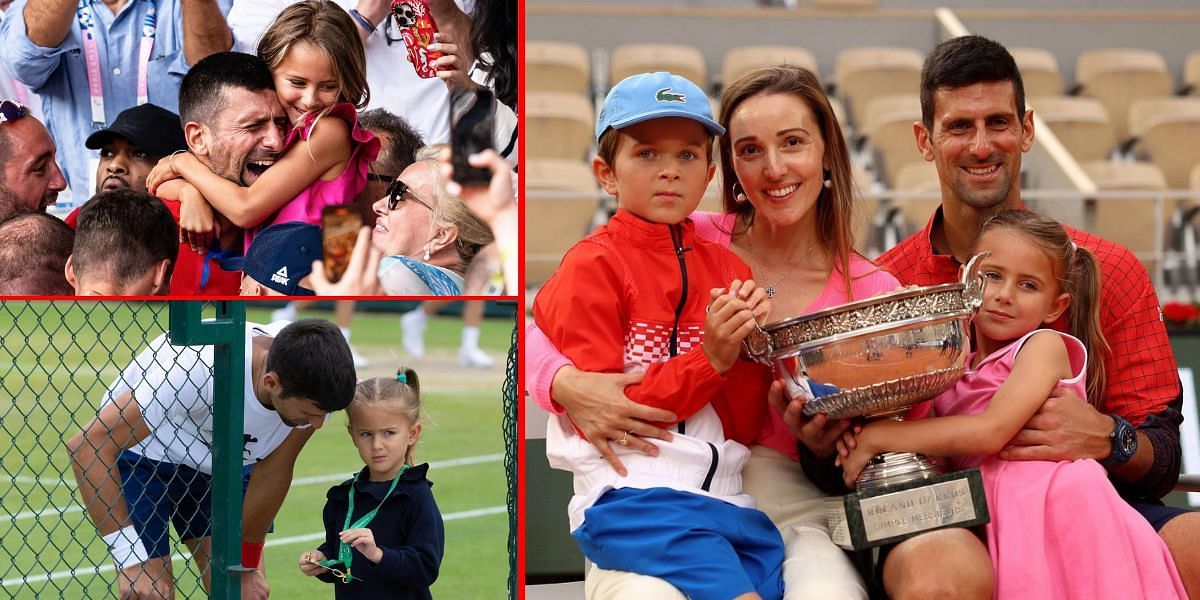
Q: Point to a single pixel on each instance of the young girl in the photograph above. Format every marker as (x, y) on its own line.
(1058, 529)
(319, 66)
(383, 531)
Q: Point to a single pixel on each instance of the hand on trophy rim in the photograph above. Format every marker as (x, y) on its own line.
(818, 433)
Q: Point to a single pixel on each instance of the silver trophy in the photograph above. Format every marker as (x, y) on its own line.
(875, 358)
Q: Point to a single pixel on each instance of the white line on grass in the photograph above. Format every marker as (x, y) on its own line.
(295, 539)
(437, 464)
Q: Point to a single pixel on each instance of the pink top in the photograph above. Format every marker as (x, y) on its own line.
(543, 360)
(307, 206)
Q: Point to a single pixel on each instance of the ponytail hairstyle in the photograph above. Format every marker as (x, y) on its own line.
(400, 394)
(326, 26)
(1078, 276)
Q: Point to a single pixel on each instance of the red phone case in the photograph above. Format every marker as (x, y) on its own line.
(417, 28)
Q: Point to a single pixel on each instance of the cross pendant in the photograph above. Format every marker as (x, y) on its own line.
(770, 291)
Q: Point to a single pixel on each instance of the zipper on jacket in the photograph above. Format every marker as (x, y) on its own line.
(673, 347)
(712, 467)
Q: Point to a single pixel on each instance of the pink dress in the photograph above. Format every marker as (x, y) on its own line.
(307, 206)
(1058, 529)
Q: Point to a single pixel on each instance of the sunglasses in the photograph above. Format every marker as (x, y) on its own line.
(396, 193)
(11, 110)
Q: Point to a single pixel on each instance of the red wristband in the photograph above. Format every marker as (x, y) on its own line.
(252, 554)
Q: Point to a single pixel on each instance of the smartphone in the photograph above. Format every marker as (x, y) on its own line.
(417, 27)
(471, 123)
(339, 231)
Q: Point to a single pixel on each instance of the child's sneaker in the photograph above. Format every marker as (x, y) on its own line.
(412, 325)
(474, 358)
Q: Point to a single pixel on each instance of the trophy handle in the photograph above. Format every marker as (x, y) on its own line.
(758, 346)
(974, 283)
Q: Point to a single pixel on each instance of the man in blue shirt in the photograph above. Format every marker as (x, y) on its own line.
(136, 50)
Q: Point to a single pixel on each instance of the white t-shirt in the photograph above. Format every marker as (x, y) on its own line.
(394, 84)
(173, 387)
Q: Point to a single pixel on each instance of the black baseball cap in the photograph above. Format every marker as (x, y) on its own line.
(154, 129)
(280, 256)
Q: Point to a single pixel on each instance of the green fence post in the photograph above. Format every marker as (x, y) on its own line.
(226, 334)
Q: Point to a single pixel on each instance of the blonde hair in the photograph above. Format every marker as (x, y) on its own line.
(1078, 276)
(835, 204)
(448, 209)
(400, 394)
(326, 26)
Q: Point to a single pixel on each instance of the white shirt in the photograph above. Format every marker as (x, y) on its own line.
(173, 387)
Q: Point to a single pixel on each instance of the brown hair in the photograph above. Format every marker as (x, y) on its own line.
(835, 205)
(400, 394)
(328, 27)
(1078, 276)
(606, 146)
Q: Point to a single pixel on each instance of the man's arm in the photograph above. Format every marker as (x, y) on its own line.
(93, 452)
(49, 21)
(205, 31)
(269, 483)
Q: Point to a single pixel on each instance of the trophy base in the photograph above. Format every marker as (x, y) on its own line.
(892, 513)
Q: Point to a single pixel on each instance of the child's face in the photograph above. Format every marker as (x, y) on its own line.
(383, 438)
(1023, 292)
(304, 81)
(660, 169)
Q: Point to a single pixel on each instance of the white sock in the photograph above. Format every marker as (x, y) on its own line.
(470, 337)
(345, 333)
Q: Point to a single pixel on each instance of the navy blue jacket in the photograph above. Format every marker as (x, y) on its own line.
(408, 528)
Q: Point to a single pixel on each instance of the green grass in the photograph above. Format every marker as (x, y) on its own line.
(59, 357)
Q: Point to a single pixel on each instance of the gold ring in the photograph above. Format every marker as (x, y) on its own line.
(624, 441)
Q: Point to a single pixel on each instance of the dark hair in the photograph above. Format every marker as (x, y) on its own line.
(202, 93)
(403, 140)
(967, 60)
(121, 234)
(5, 145)
(494, 30)
(606, 147)
(835, 204)
(33, 255)
(390, 393)
(313, 361)
(1078, 276)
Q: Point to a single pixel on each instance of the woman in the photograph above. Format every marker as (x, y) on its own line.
(427, 236)
(788, 206)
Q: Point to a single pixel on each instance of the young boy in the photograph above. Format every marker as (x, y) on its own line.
(634, 296)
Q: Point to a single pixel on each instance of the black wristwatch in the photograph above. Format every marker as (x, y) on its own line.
(1124, 441)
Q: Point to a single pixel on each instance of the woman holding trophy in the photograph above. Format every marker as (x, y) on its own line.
(788, 206)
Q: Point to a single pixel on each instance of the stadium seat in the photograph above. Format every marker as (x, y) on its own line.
(1196, 178)
(1118, 76)
(1191, 74)
(554, 566)
(1167, 129)
(561, 123)
(560, 203)
(742, 59)
(1079, 122)
(1130, 221)
(865, 73)
(1039, 71)
(921, 177)
(888, 127)
(557, 67)
(685, 61)
(865, 205)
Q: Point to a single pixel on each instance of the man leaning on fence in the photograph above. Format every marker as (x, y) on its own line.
(146, 460)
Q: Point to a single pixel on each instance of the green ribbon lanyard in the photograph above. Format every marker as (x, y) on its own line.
(344, 555)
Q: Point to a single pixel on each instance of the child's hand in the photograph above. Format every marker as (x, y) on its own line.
(309, 560)
(164, 171)
(364, 541)
(729, 321)
(755, 297)
(197, 227)
(855, 450)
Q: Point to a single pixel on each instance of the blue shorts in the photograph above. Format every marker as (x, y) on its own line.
(1156, 512)
(707, 548)
(158, 492)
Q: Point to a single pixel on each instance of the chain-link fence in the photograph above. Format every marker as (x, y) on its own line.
(83, 381)
(510, 455)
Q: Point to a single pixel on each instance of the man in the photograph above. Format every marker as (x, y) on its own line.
(398, 145)
(135, 142)
(145, 459)
(126, 244)
(46, 49)
(34, 248)
(974, 129)
(29, 178)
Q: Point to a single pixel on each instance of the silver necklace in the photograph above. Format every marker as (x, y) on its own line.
(770, 287)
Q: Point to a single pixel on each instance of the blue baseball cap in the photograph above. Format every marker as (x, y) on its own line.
(280, 256)
(648, 96)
